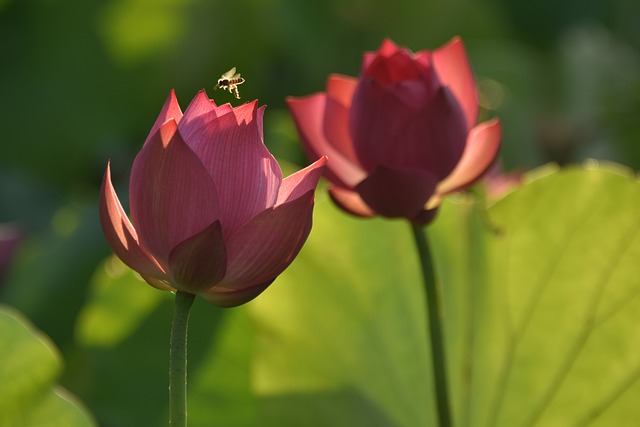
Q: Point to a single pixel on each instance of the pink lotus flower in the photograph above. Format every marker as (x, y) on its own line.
(400, 136)
(210, 212)
(10, 237)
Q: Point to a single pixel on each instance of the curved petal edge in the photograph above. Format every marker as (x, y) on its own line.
(295, 185)
(200, 261)
(350, 201)
(307, 114)
(121, 235)
(170, 110)
(269, 242)
(233, 298)
(454, 70)
(483, 144)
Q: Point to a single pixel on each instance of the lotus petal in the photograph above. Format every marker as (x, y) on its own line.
(397, 192)
(267, 244)
(299, 183)
(388, 131)
(350, 201)
(172, 195)
(170, 110)
(481, 151)
(336, 118)
(454, 70)
(204, 110)
(223, 297)
(199, 262)
(307, 114)
(121, 235)
(246, 175)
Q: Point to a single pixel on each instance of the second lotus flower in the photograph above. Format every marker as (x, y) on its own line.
(401, 135)
(210, 212)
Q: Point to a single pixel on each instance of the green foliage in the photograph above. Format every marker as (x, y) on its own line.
(93, 75)
(539, 290)
(52, 270)
(116, 307)
(122, 364)
(540, 295)
(29, 365)
(561, 318)
(541, 313)
(343, 330)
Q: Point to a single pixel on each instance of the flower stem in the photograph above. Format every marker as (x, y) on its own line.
(434, 312)
(178, 360)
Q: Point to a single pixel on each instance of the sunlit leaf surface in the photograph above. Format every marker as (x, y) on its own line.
(541, 308)
(29, 365)
(540, 299)
(559, 342)
(342, 332)
(120, 300)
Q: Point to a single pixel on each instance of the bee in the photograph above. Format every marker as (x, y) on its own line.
(230, 81)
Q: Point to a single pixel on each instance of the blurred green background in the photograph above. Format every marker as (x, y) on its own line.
(82, 82)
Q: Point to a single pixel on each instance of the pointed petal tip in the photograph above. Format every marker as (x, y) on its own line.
(168, 182)
(455, 43)
(251, 105)
(293, 101)
(172, 99)
(340, 79)
(316, 169)
(248, 112)
(340, 89)
(201, 104)
(455, 40)
(454, 70)
(202, 96)
(301, 182)
(106, 178)
(106, 181)
(495, 122)
(388, 45)
(490, 131)
(260, 114)
(170, 110)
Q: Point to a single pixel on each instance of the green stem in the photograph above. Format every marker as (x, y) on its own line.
(178, 360)
(434, 312)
